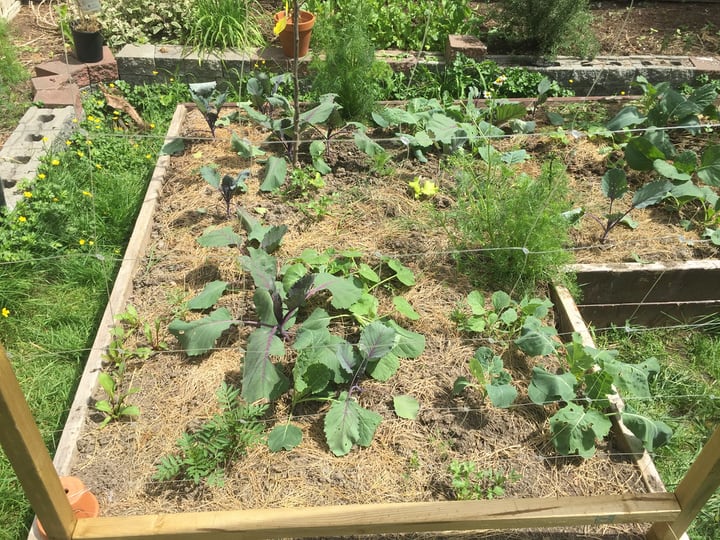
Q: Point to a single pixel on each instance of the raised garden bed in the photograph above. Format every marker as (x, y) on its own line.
(408, 459)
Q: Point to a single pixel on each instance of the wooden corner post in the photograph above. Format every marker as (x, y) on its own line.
(693, 491)
(24, 447)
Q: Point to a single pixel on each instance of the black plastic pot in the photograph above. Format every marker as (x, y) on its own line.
(88, 45)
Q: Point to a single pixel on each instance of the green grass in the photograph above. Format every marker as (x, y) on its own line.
(685, 396)
(12, 73)
(59, 251)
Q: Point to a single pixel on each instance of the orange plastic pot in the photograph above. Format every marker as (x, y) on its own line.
(83, 503)
(287, 36)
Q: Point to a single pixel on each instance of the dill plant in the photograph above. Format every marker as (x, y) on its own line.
(514, 220)
(349, 68)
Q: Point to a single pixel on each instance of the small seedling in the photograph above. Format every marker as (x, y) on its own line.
(469, 483)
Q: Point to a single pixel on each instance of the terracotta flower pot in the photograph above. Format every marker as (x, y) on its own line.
(83, 503)
(307, 21)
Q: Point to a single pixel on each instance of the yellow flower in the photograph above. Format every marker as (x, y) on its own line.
(172, 79)
(44, 139)
(111, 85)
(154, 72)
(91, 243)
(98, 166)
(87, 193)
(80, 154)
(100, 103)
(622, 92)
(55, 162)
(5, 312)
(152, 126)
(41, 176)
(22, 219)
(571, 81)
(148, 156)
(116, 112)
(88, 142)
(55, 199)
(68, 142)
(74, 120)
(90, 118)
(81, 241)
(27, 194)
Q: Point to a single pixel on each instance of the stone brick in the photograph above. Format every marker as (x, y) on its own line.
(136, 63)
(470, 46)
(50, 82)
(77, 71)
(61, 97)
(106, 70)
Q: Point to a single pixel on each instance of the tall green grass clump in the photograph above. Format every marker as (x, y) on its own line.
(509, 223)
(60, 248)
(216, 25)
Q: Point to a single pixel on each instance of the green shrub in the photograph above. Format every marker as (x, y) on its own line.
(550, 26)
(513, 220)
(138, 21)
(415, 26)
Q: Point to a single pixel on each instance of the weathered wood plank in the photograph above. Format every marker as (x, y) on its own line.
(26, 451)
(380, 518)
(694, 490)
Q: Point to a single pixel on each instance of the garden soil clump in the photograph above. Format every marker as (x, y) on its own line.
(408, 460)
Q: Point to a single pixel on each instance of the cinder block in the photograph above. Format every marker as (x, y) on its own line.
(136, 63)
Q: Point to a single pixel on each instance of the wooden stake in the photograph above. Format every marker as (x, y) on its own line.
(23, 444)
(694, 490)
(381, 518)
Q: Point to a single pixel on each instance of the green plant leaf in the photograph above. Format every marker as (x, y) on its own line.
(614, 183)
(709, 170)
(262, 267)
(348, 424)
(275, 173)
(504, 112)
(344, 292)
(536, 339)
(500, 301)
(366, 272)
(376, 340)
(405, 308)
(632, 379)
(198, 337)
(174, 147)
(640, 153)
(668, 170)
(383, 368)
(461, 383)
(129, 410)
(107, 383)
(104, 406)
(575, 430)
(284, 437)
(408, 344)
(546, 387)
(406, 406)
(501, 395)
(244, 148)
(652, 433)
(627, 117)
(261, 378)
(210, 294)
(317, 151)
(402, 273)
(211, 175)
(651, 193)
(222, 237)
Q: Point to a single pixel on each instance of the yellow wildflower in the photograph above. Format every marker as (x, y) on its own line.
(27, 194)
(68, 142)
(22, 219)
(87, 193)
(154, 72)
(41, 176)
(81, 241)
(148, 156)
(44, 139)
(55, 162)
(5, 312)
(98, 166)
(152, 126)
(80, 154)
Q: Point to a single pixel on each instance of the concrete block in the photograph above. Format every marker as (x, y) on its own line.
(9, 8)
(106, 70)
(470, 46)
(136, 63)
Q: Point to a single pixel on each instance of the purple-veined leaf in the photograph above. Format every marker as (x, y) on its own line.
(199, 336)
(348, 424)
(208, 296)
(261, 378)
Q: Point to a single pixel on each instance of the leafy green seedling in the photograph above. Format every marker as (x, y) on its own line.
(114, 406)
(493, 379)
(208, 101)
(226, 184)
